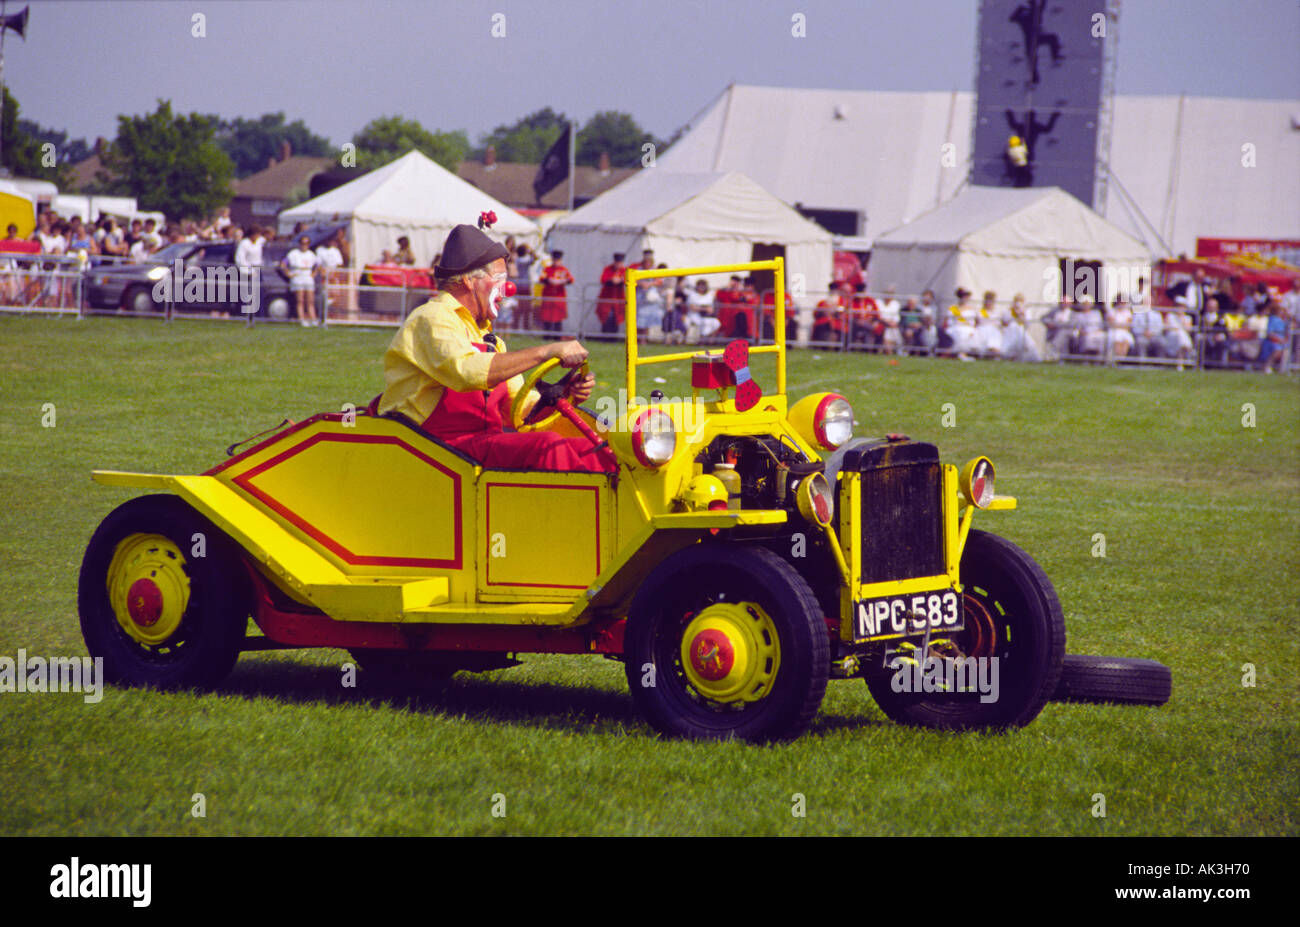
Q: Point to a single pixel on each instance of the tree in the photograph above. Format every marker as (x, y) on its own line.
(168, 162)
(251, 143)
(528, 140)
(23, 153)
(66, 150)
(389, 137)
(616, 133)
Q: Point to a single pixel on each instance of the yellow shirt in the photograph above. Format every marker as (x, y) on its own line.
(433, 351)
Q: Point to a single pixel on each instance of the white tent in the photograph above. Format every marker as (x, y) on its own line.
(412, 196)
(1009, 241)
(1180, 167)
(689, 219)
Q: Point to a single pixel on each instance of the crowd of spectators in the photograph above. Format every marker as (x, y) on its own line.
(1203, 325)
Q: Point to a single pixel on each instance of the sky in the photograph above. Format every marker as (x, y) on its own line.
(336, 65)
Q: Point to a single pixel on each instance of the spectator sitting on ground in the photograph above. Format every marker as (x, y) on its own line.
(699, 311)
(1273, 346)
(726, 302)
(929, 337)
(674, 323)
(891, 315)
(1214, 333)
(1177, 335)
(828, 318)
(1119, 327)
(650, 308)
(1061, 327)
(988, 327)
(1092, 327)
(909, 323)
(864, 318)
(1016, 343)
(1148, 328)
(961, 325)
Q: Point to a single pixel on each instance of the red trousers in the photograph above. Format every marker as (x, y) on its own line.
(474, 423)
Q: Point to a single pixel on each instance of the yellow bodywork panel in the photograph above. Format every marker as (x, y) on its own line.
(294, 566)
(371, 495)
(543, 535)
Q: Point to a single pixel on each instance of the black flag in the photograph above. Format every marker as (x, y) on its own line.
(554, 167)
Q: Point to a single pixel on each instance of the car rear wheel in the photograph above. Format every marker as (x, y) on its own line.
(139, 299)
(1013, 629)
(727, 642)
(162, 596)
(277, 307)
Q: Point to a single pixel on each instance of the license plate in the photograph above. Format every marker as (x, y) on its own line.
(903, 615)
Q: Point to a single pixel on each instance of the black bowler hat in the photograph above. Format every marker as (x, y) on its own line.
(466, 249)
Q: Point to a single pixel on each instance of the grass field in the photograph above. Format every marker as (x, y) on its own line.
(1201, 524)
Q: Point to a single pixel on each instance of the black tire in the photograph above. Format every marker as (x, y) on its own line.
(139, 299)
(278, 307)
(209, 634)
(1012, 613)
(1118, 680)
(679, 589)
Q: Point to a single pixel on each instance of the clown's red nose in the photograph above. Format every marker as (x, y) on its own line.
(509, 289)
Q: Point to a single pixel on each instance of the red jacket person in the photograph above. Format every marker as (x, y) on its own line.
(447, 372)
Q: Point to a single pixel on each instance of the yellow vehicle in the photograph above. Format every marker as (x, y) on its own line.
(746, 551)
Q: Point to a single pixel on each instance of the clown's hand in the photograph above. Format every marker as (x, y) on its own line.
(580, 389)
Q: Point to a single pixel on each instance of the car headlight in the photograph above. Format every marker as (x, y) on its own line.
(815, 499)
(833, 421)
(976, 482)
(157, 273)
(654, 438)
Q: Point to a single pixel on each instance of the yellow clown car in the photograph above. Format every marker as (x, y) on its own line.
(745, 552)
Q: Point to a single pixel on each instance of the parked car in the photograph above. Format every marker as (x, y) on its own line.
(133, 286)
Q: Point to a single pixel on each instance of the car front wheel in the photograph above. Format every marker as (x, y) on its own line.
(727, 642)
(1010, 649)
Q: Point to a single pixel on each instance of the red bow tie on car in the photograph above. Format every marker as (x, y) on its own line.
(736, 357)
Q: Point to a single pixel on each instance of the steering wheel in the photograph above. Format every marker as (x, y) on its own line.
(551, 396)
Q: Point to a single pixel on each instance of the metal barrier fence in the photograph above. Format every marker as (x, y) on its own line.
(56, 284)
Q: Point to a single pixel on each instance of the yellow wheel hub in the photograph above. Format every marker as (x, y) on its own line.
(730, 652)
(148, 587)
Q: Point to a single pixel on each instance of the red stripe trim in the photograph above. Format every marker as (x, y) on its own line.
(244, 481)
(267, 443)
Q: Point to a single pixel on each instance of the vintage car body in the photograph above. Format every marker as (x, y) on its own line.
(735, 562)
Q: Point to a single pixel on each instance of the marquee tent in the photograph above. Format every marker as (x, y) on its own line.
(411, 196)
(1010, 241)
(689, 219)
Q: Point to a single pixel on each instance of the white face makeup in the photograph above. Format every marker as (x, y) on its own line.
(494, 298)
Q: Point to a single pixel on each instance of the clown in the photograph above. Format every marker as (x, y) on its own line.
(446, 372)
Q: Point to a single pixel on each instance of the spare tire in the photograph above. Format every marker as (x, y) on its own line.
(1119, 680)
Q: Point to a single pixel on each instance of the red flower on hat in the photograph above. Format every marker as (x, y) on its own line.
(486, 218)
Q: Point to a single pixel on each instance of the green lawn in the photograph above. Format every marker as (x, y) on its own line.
(1201, 528)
